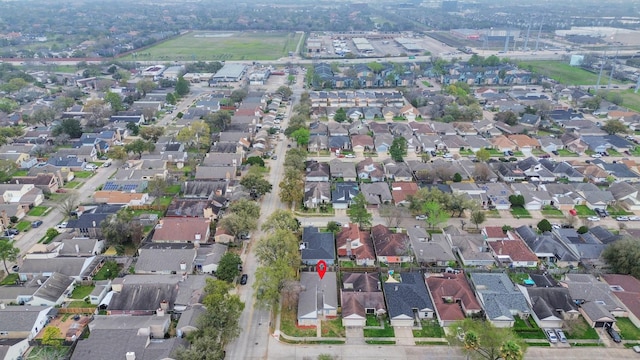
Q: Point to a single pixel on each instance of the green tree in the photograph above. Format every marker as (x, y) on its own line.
(121, 228)
(516, 200)
(255, 161)
(8, 106)
(333, 227)
(44, 116)
(340, 115)
(8, 252)
(301, 136)
(228, 268)
(457, 177)
(435, 214)
(238, 95)
(51, 233)
(152, 133)
(292, 187)
(623, 257)
(478, 217)
(256, 184)
(285, 91)
(295, 158)
(139, 146)
(182, 87)
(358, 212)
(52, 336)
(70, 127)
(242, 218)
(170, 99)
(279, 259)
(544, 225)
(221, 320)
(483, 155)
(582, 229)
(508, 117)
(482, 340)
(281, 220)
(114, 100)
(144, 86)
(219, 120)
(614, 127)
(398, 148)
(118, 153)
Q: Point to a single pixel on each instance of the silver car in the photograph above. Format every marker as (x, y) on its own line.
(561, 336)
(551, 335)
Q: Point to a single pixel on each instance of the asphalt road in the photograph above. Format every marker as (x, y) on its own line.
(25, 241)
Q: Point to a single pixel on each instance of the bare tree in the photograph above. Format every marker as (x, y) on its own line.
(69, 204)
(392, 214)
(481, 172)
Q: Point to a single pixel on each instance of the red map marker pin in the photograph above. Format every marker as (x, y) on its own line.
(322, 268)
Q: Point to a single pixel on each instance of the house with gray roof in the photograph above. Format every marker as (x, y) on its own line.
(619, 171)
(342, 169)
(316, 171)
(408, 300)
(377, 193)
(586, 246)
(162, 259)
(80, 269)
(53, 291)
(500, 298)
(470, 248)
(318, 299)
(548, 248)
(430, 249)
(551, 306)
(598, 304)
(190, 320)
(108, 344)
(397, 171)
(343, 193)
(317, 246)
(24, 322)
(316, 193)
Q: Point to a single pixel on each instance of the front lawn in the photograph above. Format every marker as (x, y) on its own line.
(580, 330)
(551, 211)
(21, 173)
(430, 329)
(288, 324)
(493, 213)
(163, 200)
(386, 332)
(617, 211)
(80, 304)
(565, 152)
(10, 279)
(372, 320)
(23, 225)
(627, 329)
(333, 328)
(520, 212)
(82, 291)
(583, 210)
(38, 211)
(83, 174)
(72, 184)
(528, 329)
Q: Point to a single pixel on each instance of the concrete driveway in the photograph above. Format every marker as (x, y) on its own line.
(404, 335)
(355, 335)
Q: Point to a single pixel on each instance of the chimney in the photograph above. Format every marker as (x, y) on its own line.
(183, 266)
(198, 236)
(2, 306)
(164, 305)
(77, 249)
(160, 312)
(93, 223)
(130, 355)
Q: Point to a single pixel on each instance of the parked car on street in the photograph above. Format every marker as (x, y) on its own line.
(421, 217)
(593, 218)
(622, 218)
(243, 279)
(36, 224)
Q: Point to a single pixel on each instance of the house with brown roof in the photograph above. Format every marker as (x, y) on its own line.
(182, 230)
(573, 142)
(410, 112)
(524, 142)
(502, 143)
(627, 289)
(495, 233)
(355, 245)
(368, 169)
(401, 190)
(452, 297)
(361, 143)
(223, 236)
(120, 197)
(391, 247)
(361, 295)
(512, 253)
(48, 183)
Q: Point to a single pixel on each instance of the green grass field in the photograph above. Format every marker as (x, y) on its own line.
(37, 211)
(211, 45)
(562, 72)
(631, 99)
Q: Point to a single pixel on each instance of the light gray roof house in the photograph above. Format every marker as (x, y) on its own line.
(160, 259)
(53, 288)
(500, 298)
(599, 305)
(317, 246)
(107, 344)
(405, 296)
(318, 295)
(430, 249)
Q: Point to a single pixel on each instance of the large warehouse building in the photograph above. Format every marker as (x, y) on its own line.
(230, 73)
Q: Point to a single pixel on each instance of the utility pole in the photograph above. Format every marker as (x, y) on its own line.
(526, 40)
(506, 41)
(601, 68)
(538, 38)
